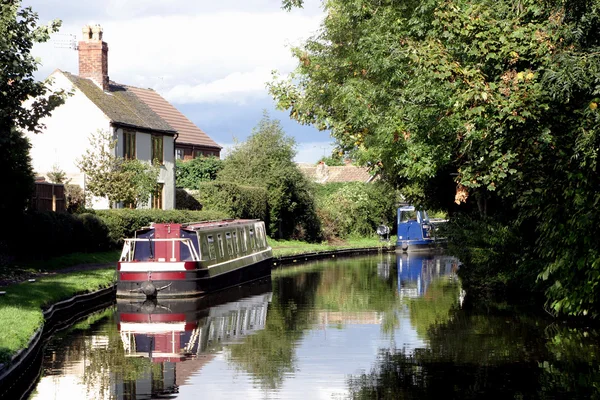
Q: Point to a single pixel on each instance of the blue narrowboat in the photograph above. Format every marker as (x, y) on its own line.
(414, 230)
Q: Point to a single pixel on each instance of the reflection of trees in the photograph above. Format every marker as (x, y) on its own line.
(434, 308)
(270, 353)
(355, 286)
(473, 356)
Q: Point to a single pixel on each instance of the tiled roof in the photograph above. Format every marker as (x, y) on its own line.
(187, 131)
(325, 174)
(121, 105)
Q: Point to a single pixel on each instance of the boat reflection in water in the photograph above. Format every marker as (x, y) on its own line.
(417, 270)
(180, 336)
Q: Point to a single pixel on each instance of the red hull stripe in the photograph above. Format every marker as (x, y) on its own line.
(139, 317)
(155, 276)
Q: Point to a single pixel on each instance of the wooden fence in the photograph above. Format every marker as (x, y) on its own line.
(49, 197)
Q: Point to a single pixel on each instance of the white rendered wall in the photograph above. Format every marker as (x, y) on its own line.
(66, 137)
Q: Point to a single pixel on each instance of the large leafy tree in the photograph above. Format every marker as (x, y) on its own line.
(492, 103)
(23, 100)
(266, 160)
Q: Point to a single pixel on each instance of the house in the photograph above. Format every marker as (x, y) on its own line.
(323, 173)
(191, 141)
(143, 124)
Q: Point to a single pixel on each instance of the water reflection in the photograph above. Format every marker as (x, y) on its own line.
(369, 327)
(154, 346)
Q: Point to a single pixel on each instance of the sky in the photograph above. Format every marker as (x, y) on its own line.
(211, 59)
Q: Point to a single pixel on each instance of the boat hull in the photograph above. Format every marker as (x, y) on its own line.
(189, 283)
(414, 246)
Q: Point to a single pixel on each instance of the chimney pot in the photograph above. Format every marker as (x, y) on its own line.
(93, 56)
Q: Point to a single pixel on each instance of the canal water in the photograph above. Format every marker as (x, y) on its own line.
(381, 326)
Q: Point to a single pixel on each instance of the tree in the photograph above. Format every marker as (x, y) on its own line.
(119, 180)
(493, 104)
(189, 174)
(266, 160)
(23, 101)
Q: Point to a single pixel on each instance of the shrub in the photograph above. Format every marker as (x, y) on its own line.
(190, 174)
(43, 234)
(186, 201)
(355, 208)
(122, 223)
(234, 200)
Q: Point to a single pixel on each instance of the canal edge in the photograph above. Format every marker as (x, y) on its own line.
(16, 375)
(283, 261)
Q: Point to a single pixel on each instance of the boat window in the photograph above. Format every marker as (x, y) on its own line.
(259, 237)
(244, 240)
(220, 240)
(229, 243)
(408, 216)
(252, 239)
(211, 247)
(236, 244)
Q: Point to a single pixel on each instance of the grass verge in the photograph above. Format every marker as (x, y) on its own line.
(21, 306)
(293, 247)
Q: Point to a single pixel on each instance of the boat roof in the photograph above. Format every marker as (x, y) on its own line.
(208, 224)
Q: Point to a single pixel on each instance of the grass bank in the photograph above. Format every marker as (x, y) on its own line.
(292, 247)
(21, 306)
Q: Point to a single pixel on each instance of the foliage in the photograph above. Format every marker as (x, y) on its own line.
(491, 101)
(185, 201)
(119, 180)
(266, 160)
(235, 200)
(39, 235)
(75, 198)
(122, 223)
(189, 174)
(356, 208)
(23, 100)
(58, 176)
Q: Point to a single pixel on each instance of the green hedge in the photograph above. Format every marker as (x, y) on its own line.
(185, 201)
(122, 223)
(39, 235)
(234, 200)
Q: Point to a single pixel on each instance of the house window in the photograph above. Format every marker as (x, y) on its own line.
(128, 145)
(157, 197)
(157, 148)
(198, 154)
(179, 153)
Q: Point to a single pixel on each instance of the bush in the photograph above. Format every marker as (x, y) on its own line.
(355, 208)
(190, 174)
(186, 201)
(122, 223)
(234, 200)
(44, 234)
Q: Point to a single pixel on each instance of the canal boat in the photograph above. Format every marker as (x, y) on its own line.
(415, 230)
(186, 260)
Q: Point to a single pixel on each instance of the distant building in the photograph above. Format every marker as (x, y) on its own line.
(144, 125)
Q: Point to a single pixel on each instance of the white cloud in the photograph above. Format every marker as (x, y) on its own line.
(194, 58)
(237, 87)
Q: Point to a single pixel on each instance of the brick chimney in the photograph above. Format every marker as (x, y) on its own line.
(93, 56)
